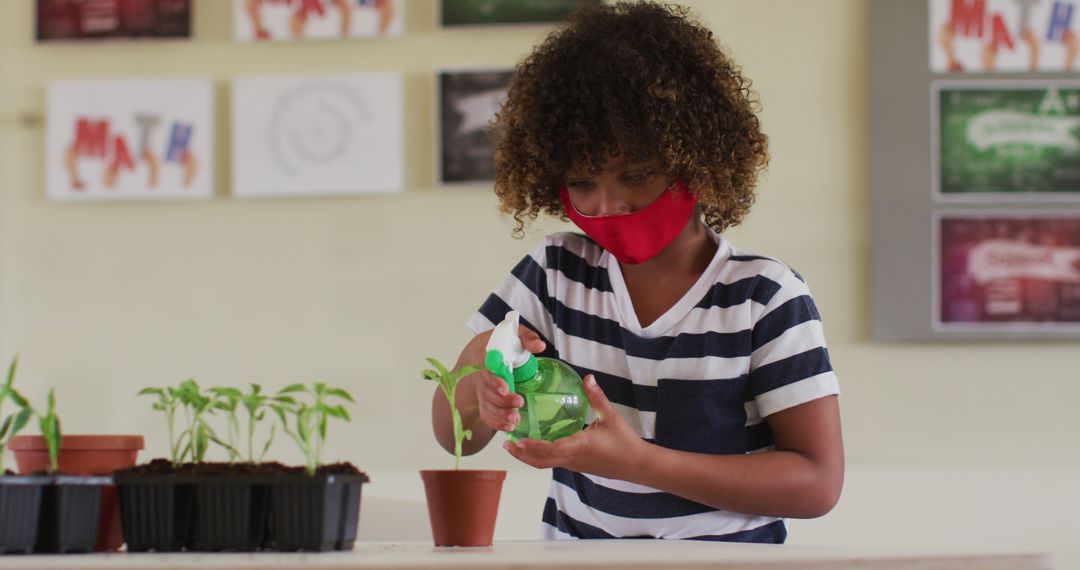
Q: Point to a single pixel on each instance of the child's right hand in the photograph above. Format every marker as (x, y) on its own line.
(498, 407)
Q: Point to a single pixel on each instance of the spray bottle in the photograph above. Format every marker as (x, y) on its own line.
(555, 401)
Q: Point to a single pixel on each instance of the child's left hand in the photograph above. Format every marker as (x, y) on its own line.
(609, 447)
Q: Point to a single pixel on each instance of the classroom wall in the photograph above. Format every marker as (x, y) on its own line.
(102, 299)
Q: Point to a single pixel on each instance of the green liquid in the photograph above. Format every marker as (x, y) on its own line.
(555, 403)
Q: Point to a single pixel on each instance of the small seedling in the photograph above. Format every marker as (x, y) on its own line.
(15, 422)
(167, 403)
(448, 381)
(310, 420)
(49, 423)
(228, 399)
(256, 404)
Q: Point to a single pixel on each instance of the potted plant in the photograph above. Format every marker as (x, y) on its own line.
(20, 495)
(244, 504)
(71, 504)
(462, 504)
(317, 507)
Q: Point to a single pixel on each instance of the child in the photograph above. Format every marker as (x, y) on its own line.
(715, 404)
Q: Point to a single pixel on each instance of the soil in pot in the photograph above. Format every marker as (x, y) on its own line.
(70, 509)
(463, 505)
(85, 455)
(20, 511)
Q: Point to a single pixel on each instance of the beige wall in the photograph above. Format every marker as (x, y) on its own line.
(101, 299)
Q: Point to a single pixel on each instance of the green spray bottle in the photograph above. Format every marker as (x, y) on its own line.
(555, 401)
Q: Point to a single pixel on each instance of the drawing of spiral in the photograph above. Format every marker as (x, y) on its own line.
(315, 124)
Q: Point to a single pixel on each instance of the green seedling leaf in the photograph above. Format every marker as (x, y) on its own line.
(340, 394)
(293, 388)
(21, 420)
(18, 398)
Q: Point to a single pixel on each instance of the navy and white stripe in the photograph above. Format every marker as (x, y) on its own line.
(745, 342)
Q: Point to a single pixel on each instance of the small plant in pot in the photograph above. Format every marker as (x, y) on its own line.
(45, 509)
(20, 495)
(316, 507)
(82, 455)
(462, 504)
(71, 505)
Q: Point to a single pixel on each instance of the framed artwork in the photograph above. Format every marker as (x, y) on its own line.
(130, 139)
(501, 12)
(1007, 271)
(310, 135)
(104, 19)
(994, 140)
(291, 20)
(468, 102)
(985, 36)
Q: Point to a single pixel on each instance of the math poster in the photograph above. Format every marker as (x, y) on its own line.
(292, 20)
(1007, 139)
(1008, 271)
(317, 135)
(468, 102)
(130, 139)
(981, 36)
(111, 19)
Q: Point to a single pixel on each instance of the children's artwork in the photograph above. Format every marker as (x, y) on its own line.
(497, 12)
(287, 20)
(979, 36)
(468, 102)
(97, 19)
(1015, 140)
(1007, 271)
(130, 139)
(317, 135)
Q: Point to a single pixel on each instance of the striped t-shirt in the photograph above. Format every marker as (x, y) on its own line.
(744, 342)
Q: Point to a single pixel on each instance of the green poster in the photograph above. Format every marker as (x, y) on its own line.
(1009, 140)
(493, 12)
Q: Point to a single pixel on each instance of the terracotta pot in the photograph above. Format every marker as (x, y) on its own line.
(463, 505)
(85, 455)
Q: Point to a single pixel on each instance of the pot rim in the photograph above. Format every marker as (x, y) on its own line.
(481, 474)
(80, 443)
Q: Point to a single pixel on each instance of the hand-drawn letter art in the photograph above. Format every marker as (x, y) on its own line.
(289, 20)
(130, 139)
(317, 135)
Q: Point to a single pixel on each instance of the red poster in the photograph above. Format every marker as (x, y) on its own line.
(99, 19)
(1011, 272)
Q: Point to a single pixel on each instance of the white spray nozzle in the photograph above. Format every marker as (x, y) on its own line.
(506, 340)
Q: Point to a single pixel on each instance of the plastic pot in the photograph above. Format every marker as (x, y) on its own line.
(70, 510)
(317, 513)
(20, 511)
(156, 511)
(231, 513)
(463, 505)
(85, 455)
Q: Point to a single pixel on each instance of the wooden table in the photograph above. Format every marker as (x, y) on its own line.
(542, 555)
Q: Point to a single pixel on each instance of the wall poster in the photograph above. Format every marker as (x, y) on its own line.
(980, 36)
(289, 20)
(102, 19)
(1006, 140)
(130, 139)
(1007, 271)
(468, 102)
(308, 135)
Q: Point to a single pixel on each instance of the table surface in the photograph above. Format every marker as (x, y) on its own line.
(553, 555)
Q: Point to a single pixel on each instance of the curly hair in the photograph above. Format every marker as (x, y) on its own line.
(636, 78)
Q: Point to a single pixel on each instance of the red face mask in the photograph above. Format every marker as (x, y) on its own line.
(638, 236)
